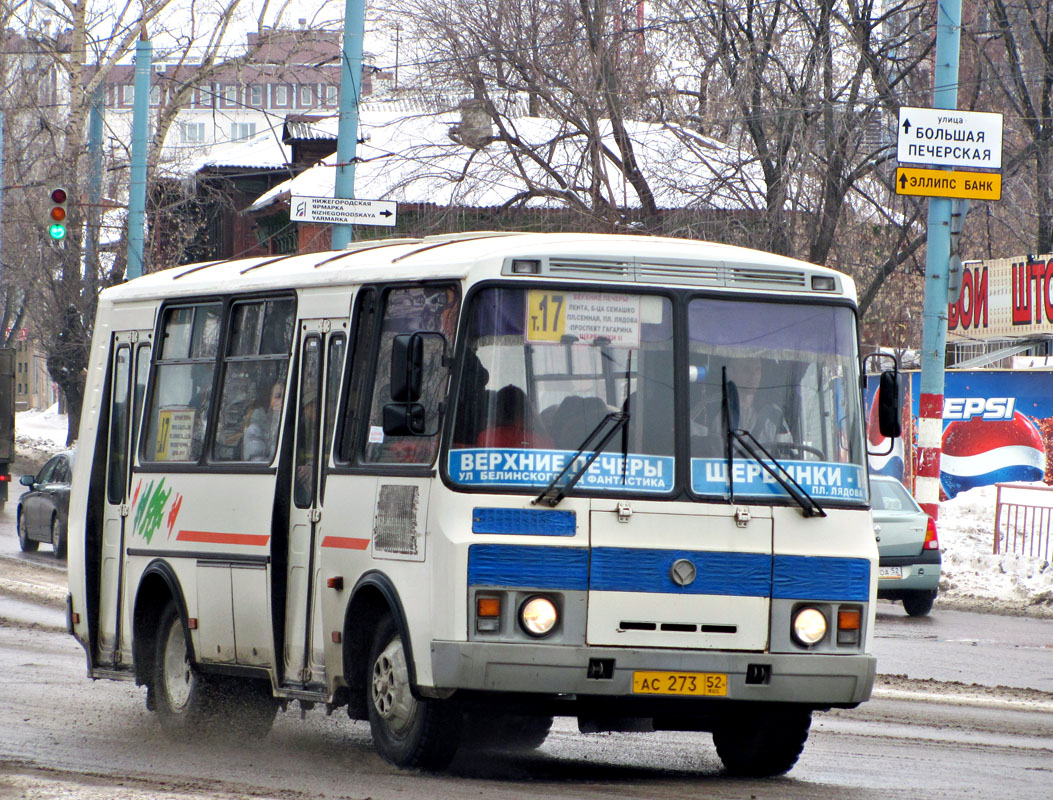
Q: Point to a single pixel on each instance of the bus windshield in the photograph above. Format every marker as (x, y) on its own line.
(544, 367)
(794, 372)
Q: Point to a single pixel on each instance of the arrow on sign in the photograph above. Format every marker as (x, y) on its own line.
(906, 126)
(903, 181)
(385, 213)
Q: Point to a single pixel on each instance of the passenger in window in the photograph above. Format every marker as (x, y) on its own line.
(261, 434)
(514, 424)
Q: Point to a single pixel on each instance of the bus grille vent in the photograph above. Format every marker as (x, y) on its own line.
(759, 276)
(395, 525)
(711, 274)
(589, 268)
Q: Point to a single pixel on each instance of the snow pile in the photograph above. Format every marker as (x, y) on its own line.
(972, 574)
(973, 577)
(40, 434)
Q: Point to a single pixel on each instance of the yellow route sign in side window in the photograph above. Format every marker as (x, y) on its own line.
(546, 316)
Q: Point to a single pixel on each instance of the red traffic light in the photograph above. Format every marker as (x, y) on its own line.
(58, 195)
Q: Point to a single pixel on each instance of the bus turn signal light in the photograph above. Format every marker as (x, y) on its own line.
(488, 614)
(849, 621)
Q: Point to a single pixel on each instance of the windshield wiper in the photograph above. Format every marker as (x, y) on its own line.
(749, 445)
(554, 493)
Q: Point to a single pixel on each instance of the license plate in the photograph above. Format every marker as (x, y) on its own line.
(708, 684)
(890, 572)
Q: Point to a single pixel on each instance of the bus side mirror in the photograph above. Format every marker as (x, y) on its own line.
(888, 405)
(404, 419)
(407, 368)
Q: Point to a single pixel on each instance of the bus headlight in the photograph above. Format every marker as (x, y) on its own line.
(809, 626)
(538, 616)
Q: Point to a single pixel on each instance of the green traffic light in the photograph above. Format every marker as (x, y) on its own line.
(57, 231)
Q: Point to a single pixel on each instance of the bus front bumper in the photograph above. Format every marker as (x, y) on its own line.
(809, 678)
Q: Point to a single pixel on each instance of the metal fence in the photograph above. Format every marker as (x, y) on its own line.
(1021, 526)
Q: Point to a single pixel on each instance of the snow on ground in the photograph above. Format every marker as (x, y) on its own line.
(40, 434)
(973, 577)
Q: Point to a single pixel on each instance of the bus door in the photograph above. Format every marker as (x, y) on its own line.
(129, 369)
(322, 347)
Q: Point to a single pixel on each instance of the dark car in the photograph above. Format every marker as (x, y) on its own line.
(909, 549)
(43, 511)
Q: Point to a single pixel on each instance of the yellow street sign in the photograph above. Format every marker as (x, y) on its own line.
(948, 183)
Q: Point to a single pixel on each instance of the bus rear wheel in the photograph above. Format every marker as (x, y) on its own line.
(185, 699)
(409, 732)
(762, 744)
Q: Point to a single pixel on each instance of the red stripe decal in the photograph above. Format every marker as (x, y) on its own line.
(930, 406)
(345, 543)
(212, 537)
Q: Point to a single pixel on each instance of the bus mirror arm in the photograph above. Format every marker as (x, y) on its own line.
(554, 493)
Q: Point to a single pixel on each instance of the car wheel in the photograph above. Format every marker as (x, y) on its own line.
(58, 538)
(918, 604)
(762, 744)
(410, 732)
(185, 699)
(28, 545)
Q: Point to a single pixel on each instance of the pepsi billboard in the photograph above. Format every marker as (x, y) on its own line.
(997, 427)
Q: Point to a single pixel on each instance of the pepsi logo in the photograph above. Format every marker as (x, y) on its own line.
(979, 452)
(888, 461)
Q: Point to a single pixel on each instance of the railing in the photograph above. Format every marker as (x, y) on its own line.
(1023, 527)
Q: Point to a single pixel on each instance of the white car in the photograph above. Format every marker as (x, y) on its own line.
(908, 546)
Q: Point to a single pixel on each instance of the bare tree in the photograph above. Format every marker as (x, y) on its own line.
(575, 61)
(61, 288)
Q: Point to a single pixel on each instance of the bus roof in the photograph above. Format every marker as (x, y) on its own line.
(577, 257)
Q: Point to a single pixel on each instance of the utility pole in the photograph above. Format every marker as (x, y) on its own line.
(91, 215)
(350, 93)
(937, 266)
(140, 131)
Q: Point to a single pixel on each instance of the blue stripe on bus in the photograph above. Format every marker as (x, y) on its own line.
(821, 578)
(529, 566)
(526, 521)
(622, 569)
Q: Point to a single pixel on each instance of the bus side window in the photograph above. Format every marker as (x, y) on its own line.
(255, 369)
(406, 310)
(177, 417)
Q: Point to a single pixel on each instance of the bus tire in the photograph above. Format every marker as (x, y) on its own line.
(409, 732)
(185, 698)
(762, 744)
(514, 732)
(250, 707)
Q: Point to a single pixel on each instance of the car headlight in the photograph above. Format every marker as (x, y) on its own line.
(809, 626)
(538, 616)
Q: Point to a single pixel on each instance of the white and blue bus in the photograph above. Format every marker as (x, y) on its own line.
(464, 484)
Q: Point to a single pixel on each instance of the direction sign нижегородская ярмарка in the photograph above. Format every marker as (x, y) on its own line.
(342, 211)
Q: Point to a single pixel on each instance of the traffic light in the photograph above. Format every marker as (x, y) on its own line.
(57, 215)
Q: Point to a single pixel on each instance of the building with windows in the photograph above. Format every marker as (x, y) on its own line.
(282, 72)
(33, 386)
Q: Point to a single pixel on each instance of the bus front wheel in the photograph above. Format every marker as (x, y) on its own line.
(763, 743)
(183, 697)
(409, 732)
